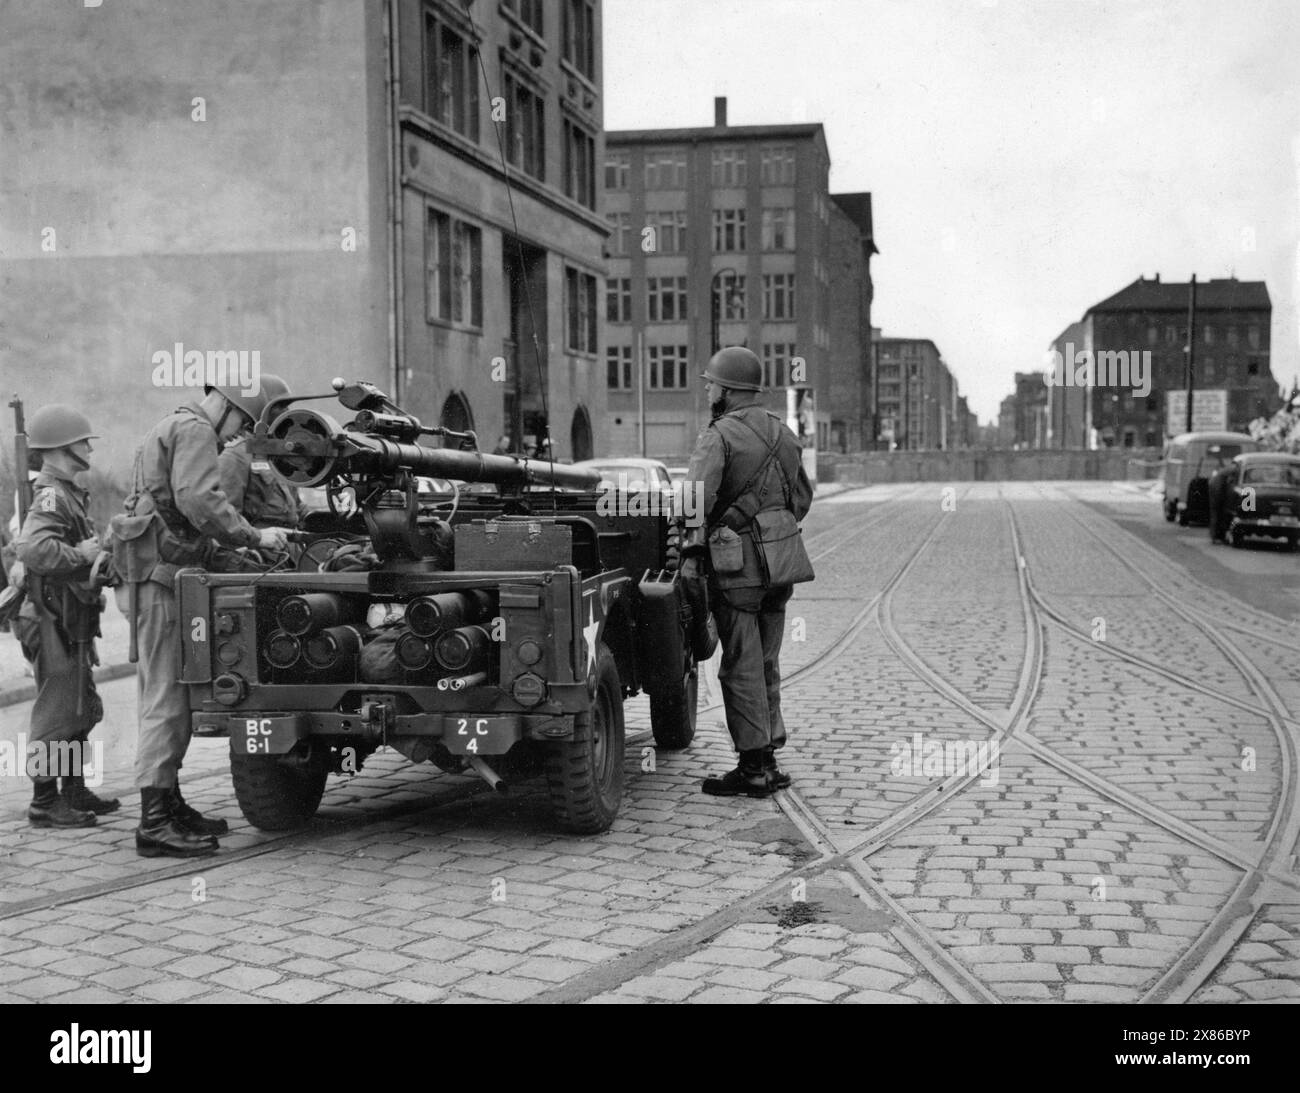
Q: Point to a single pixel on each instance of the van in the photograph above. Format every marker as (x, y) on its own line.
(1190, 459)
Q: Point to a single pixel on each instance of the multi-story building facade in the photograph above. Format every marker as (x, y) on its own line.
(501, 268)
(915, 394)
(1146, 324)
(722, 236)
(333, 197)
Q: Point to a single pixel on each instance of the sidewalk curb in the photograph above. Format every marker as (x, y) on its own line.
(13, 693)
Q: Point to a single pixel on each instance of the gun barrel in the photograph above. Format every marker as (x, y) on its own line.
(307, 448)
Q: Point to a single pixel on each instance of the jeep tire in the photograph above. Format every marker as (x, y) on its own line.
(279, 792)
(584, 776)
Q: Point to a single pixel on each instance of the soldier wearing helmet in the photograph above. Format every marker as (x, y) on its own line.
(745, 461)
(261, 495)
(177, 515)
(56, 548)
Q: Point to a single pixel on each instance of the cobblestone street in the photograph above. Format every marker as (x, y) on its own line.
(1036, 757)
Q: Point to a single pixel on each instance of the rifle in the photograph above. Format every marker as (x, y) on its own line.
(11, 598)
(22, 460)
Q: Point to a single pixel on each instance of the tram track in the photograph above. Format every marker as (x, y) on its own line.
(1202, 955)
(1226, 928)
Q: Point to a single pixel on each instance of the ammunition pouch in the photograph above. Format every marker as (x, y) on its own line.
(726, 552)
(80, 608)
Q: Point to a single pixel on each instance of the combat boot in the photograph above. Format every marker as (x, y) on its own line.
(48, 809)
(192, 820)
(778, 778)
(160, 835)
(79, 797)
(748, 779)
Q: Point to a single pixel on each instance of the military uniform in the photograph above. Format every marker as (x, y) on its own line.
(750, 616)
(255, 490)
(176, 474)
(47, 549)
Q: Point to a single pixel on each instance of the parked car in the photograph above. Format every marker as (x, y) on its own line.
(632, 473)
(1190, 459)
(1258, 493)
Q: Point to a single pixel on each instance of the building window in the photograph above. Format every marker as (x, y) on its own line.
(580, 305)
(1231, 335)
(669, 232)
(728, 230)
(1153, 334)
(451, 78)
(778, 229)
(729, 298)
(580, 36)
(618, 367)
(665, 169)
(525, 128)
(778, 165)
(528, 12)
(621, 223)
(1209, 334)
(617, 166)
(579, 164)
(453, 268)
(1252, 337)
(666, 299)
(778, 297)
(776, 365)
(1207, 370)
(729, 167)
(618, 300)
(1171, 334)
(666, 366)
(1252, 368)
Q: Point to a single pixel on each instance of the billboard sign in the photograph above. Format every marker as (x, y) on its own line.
(1209, 412)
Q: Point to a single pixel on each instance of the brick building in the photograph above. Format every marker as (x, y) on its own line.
(1231, 355)
(727, 235)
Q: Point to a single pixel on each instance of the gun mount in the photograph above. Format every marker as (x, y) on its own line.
(474, 632)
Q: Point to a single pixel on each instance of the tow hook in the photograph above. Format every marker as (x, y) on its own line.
(378, 716)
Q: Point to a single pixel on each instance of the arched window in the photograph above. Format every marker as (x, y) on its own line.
(580, 434)
(456, 414)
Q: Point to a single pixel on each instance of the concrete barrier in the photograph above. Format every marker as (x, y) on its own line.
(989, 465)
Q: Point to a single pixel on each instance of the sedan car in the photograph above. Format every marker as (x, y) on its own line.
(630, 473)
(1258, 493)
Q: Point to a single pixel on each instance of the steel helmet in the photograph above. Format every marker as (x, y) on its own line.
(735, 367)
(271, 386)
(57, 426)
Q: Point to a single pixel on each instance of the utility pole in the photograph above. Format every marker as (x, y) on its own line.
(1191, 348)
(640, 387)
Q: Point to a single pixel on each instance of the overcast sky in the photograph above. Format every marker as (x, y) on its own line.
(1026, 159)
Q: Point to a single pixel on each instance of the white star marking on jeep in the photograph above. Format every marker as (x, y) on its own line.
(589, 633)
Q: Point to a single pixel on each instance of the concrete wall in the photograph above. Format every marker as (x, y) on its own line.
(869, 468)
(225, 233)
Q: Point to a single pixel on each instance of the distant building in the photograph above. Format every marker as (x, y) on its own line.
(915, 394)
(1146, 322)
(728, 235)
(1031, 420)
(320, 183)
(1067, 405)
(1007, 417)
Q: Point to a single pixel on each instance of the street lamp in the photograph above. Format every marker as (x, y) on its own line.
(715, 305)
